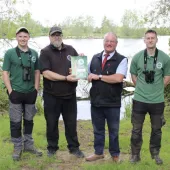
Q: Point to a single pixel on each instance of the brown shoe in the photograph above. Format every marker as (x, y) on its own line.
(94, 157)
(116, 159)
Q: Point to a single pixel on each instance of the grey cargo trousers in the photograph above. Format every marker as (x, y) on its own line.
(139, 111)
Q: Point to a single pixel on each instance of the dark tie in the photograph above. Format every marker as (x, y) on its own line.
(104, 61)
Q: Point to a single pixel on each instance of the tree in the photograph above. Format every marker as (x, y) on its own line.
(8, 16)
(34, 26)
(107, 25)
(159, 15)
(11, 19)
(88, 25)
(132, 23)
(79, 27)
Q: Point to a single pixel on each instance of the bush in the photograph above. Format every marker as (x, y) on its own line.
(3, 98)
(39, 105)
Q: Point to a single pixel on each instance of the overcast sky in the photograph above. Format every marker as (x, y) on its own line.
(49, 12)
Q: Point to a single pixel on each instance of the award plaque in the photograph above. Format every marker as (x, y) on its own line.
(79, 66)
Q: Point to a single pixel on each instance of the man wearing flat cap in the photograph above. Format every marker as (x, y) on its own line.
(59, 92)
(21, 76)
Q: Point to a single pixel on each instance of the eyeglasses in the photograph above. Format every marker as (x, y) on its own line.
(107, 41)
(57, 35)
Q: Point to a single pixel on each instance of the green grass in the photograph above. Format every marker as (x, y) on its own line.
(28, 161)
(146, 162)
(85, 131)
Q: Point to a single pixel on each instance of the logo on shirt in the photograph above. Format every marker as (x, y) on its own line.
(33, 59)
(69, 57)
(159, 65)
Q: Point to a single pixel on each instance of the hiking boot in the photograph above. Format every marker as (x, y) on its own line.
(51, 153)
(116, 159)
(17, 155)
(78, 153)
(158, 160)
(94, 157)
(134, 158)
(33, 150)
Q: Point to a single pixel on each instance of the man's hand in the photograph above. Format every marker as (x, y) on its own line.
(70, 70)
(93, 77)
(81, 54)
(9, 91)
(37, 89)
(72, 78)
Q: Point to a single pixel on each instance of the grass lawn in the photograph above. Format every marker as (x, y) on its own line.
(65, 161)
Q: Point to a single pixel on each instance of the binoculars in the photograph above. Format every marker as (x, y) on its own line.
(26, 73)
(149, 76)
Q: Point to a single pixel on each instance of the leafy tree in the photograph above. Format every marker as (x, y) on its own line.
(8, 16)
(88, 25)
(66, 24)
(11, 19)
(107, 26)
(159, 15)
(34, 26)
(132, 23)
(79, 27)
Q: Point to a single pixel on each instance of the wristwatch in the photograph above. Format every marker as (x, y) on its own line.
(100, 76)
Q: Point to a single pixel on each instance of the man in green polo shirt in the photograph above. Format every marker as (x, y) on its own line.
(21, 76)
(150, 70)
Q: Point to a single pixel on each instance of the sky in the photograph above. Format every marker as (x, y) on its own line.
(50, 12)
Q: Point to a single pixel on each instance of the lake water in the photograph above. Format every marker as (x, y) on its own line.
(83, 108)
(127, 47)
(89, 47)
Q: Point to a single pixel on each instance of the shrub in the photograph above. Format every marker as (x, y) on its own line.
(3, 98)
(39, 105)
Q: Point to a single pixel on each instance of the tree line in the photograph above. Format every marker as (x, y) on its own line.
(132, 24)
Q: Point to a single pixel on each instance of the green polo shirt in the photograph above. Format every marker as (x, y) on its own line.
(150, 93)
(12, 64)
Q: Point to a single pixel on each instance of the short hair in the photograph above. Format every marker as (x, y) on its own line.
(111, 33)
(151, 31)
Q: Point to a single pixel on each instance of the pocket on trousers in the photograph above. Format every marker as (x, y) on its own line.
(10, 95)
(163, 120)
(15, 97)
(138, 107)
(35, 92)
(31, 97)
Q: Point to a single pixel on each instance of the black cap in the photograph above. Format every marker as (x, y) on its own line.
(22, 29)
(55, 29)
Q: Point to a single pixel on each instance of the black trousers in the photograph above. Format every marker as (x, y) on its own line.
(139, 111)
(53, 107)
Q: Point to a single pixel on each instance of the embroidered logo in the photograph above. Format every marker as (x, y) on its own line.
(33, 59)
(159, 65)
(69, 57)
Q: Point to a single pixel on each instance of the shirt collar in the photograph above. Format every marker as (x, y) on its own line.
(21, 51)
(110, 54)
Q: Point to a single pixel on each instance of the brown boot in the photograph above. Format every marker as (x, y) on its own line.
(94, 157)
(116, 159)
